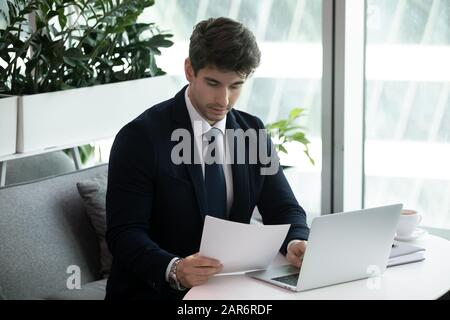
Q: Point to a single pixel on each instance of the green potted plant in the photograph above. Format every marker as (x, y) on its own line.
(287, 130)
(95, 47)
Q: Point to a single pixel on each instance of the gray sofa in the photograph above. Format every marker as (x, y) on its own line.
(44, 229)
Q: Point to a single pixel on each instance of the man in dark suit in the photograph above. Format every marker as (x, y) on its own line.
(156, 206)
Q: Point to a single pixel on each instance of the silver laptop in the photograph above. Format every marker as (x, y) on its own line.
(341, 247)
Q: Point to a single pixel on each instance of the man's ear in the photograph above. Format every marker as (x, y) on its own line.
(188, 70)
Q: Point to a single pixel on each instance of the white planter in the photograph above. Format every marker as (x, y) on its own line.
(78, 116)
(8, 125)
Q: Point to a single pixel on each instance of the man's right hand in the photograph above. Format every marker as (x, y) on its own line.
(196, 270)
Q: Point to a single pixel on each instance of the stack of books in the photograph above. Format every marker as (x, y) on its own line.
(402, 253)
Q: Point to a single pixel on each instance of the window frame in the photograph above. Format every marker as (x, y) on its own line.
(343, 98)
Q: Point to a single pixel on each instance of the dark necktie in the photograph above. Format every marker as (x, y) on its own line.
(215, 186)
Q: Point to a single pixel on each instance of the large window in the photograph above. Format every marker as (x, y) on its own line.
(407, 146)
(289, 33)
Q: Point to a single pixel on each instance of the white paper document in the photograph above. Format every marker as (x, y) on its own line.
(239, 246)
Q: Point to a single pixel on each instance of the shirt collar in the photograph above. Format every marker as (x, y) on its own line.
(202, 125)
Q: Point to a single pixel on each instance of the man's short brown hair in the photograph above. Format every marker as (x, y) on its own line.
(225, 44)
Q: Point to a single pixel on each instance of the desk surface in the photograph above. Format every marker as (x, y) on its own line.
(428, 279)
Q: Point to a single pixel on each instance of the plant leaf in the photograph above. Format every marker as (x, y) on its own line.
(295, 113)
(75, 54)
(62, 18)
(282, 149)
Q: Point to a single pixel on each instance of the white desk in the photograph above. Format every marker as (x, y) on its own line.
(428, 279)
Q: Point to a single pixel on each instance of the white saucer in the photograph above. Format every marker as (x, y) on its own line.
(415, 235)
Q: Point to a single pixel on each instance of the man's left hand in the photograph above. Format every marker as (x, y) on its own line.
(295, 253)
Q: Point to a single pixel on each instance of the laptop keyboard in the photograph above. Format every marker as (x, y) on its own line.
(290, 279)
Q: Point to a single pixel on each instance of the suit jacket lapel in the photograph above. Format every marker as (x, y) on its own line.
(181, 116)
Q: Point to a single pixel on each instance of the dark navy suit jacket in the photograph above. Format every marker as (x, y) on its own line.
(155, 208)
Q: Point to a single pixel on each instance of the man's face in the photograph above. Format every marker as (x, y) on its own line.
(213, 92)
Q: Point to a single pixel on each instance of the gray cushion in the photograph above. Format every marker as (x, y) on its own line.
(38, 167)
(93, 192)
(90, 291)
(44, 229)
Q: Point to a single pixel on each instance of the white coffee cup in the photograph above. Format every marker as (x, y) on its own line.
(408, 222)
